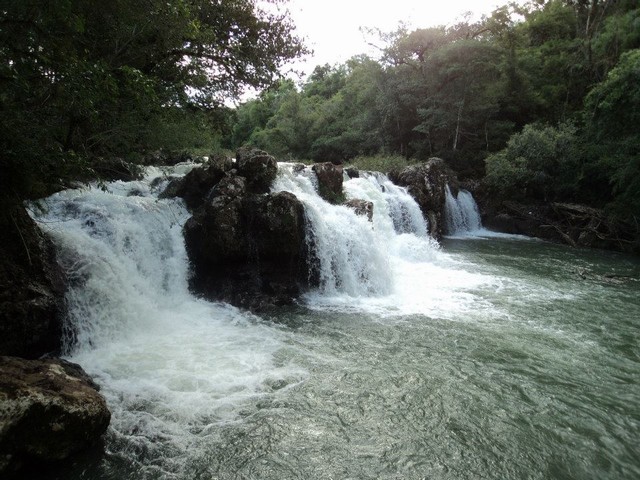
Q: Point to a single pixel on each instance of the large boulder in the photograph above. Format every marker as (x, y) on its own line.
(330, 178)
(427, 183)
(49, 410)
(32, 287)
(247, 249)
(258, 167)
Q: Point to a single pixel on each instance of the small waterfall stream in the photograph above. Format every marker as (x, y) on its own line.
(461, 213)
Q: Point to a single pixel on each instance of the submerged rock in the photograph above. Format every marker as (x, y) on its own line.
(330, 178)
(49, 409)
(361, 207)
(427, 184)
(32, 287)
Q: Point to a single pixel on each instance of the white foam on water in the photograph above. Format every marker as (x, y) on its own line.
(172, 367)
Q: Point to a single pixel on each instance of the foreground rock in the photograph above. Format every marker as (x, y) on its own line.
(49, 409)
(247, 247)
(427, 184)
(32, 288)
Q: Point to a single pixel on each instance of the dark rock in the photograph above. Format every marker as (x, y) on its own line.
(575, 225)
(258, 167)
(49, 410)
(229, 187)
(361, 207)
(352, 172)
(32, 287)
(330, 177)
(248, 250)
(196, 184)
(427, 184)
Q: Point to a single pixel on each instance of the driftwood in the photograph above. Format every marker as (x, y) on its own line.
(577, 225)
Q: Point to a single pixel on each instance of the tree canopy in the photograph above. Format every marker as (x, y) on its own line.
(532, 77)
(85, 78)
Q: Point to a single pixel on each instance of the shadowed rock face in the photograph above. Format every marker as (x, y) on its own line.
(248, 248)
(195, 185)
(32, 287)
(258, 167)
(49, 409)
(330, 179)
(427, 184)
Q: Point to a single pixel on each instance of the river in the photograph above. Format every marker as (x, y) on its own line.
(486, 356)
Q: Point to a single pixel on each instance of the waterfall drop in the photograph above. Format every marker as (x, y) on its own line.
(461, 213)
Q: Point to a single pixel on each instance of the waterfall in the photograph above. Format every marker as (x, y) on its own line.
(164, 358)
(354, 258)
(461, 213)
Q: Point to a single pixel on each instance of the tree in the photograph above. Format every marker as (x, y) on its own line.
(83, 78)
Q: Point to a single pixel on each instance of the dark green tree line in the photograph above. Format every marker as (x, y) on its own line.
(542, 72)
(86, 78)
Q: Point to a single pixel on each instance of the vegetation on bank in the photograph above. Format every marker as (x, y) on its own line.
(541, 99)
(82, 80)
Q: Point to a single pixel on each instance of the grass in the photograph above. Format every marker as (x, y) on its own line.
(380, 163)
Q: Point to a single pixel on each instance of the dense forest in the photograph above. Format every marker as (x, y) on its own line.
(86, 81)
(540, 100)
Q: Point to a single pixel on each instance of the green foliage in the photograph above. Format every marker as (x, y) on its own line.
(81, 79)
(539, 163)
(380, 163)
(612, 117)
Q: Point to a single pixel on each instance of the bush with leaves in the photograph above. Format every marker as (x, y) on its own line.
(539, 163)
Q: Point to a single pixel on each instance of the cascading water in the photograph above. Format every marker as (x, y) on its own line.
(381, 265)
(172, 367)
(490, 360)
(461, 213)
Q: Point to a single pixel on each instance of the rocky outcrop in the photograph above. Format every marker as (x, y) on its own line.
(246, 247)
(248, 250)
(361, 207)
(195, 185)
(258, 167)
(426, 183)
(32, 287)
(330, 179)
(575, 225)
(49, 409)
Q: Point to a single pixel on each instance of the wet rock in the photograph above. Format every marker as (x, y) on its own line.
(248, 250)
(361, 207)
(195, 185)
(49, 410)
(427, 184)
(352, 172)
(32, 287)
(573, 224)
(330, 179)
(258, 167)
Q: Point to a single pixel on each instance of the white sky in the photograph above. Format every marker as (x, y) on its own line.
(331, 27)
